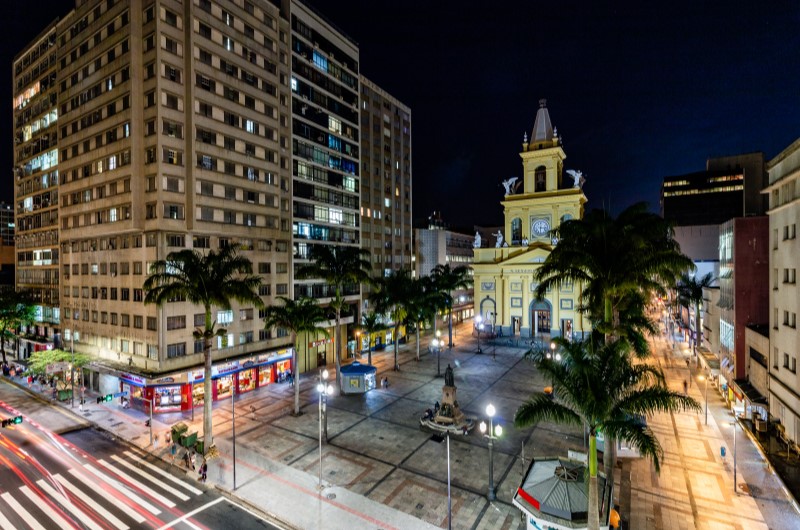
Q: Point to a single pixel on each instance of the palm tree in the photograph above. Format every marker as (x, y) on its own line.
(611, 259)
(303, 315)
(420, 304)
(16, 309)
(447, 280)
(209, 280)
(618, 264)
(690, 291)
(393, 296)
(342, 268)
(371, 323)
(596, 385)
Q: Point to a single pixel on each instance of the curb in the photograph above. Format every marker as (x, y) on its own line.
(757, 445)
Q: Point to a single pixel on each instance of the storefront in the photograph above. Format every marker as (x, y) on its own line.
(184, 390)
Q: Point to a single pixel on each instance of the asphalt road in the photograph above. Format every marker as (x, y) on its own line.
(85, 479)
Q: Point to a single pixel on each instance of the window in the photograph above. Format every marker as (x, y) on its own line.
(152, 323)
(176, 350)
(171, 19)
(176, 240)
(225, 317)
(176, 322)
(245, 314)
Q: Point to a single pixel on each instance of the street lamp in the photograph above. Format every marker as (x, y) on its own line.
(324, 390)
(494, 434)
(478, 320)
(358, 344)
(733, 423)
(705, 393)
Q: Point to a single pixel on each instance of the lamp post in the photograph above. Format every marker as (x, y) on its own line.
(358, 344)
(555, 356)
(705, 393)
(494, 433)
(733, 423)
(449, 498)
(478, 320)
(324, 390)
(233, 425)
(71, 368)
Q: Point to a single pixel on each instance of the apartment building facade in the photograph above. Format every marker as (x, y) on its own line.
(35, 114)
(784, 300)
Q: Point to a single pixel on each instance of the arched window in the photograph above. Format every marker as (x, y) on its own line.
(540, 179)
(516, 231)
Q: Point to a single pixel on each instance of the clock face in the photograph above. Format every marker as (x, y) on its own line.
(540, 227)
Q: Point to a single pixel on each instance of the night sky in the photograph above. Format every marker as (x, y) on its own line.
(638, 90)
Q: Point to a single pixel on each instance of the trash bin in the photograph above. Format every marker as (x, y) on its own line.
(189, 440)
(178, 430)
(200, 446)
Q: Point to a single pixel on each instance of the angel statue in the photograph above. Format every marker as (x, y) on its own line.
(508, 184)
(477, 243)
(499, 236)
(577, 178)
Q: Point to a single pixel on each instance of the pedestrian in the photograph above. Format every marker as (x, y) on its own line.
(80, 405)
(172, 450)
(186, 460)
(436, 406)
(191, 459)
(685, 387)
(203, 470)
(30, 380)
(155, 441)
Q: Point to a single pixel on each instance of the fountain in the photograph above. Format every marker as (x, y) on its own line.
(449, 418)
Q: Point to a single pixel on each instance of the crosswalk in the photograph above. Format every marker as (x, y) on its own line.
(122, 492)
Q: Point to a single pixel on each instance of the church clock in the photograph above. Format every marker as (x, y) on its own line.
(540, 227)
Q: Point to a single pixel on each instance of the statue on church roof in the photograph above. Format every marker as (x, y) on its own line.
(508, 184)
(499, 236)
(477, 243)
(577, 178)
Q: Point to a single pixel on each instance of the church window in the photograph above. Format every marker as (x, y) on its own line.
(540, 181)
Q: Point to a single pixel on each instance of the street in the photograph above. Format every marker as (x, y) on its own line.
(87, 479)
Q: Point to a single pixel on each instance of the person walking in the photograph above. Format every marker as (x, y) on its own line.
(192, 459)
(203, 470)
(172, 451)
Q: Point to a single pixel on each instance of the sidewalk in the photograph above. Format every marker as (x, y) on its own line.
(695, 489)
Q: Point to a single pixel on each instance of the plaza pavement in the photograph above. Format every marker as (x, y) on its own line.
(381, 471)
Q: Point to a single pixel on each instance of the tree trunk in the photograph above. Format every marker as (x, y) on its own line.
(696, 326)
(337, 353)
(3, 348)
(295, 379)
(450, 321)
(594, 507)
(208, 437)
(396, 343)
(418, 341)
(369, 349)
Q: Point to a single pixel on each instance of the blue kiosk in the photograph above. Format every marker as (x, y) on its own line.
(358, 378)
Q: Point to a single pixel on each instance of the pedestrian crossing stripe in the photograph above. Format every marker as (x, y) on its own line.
(122, 488)
(127, 510)
(145, 488)
(64, 501)
(4, 522)
(45, 507)
(150, 477)
(22, 512)
(163, 473)
(107, 516)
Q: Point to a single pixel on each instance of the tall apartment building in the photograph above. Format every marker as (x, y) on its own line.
(784, 302)
(36, 178)
(171, 117)
(195, 124)
(386, 211)
(325, 165)
(7, 254)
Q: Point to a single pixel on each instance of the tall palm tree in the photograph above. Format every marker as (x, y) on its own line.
(596, 385)
(303, 315)
(208, 280)
(690, 291)
(393, 296)
(610, 259)
(447, 280)
(420, 305)
(341, 268)
(371, 323)
(617, 263)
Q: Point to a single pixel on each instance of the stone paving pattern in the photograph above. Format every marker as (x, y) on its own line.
(380, 468)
